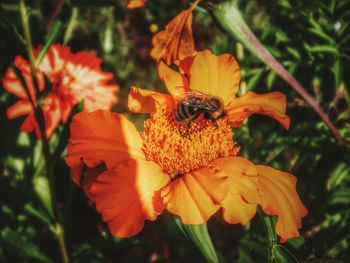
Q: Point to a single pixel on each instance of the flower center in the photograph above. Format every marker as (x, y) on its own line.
(180, 148)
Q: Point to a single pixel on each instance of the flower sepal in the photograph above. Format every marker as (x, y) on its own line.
(199, 235)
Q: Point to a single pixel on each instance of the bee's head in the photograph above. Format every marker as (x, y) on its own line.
(214, 104)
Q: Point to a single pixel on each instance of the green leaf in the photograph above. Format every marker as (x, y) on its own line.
(42, 189)
(322, 49)
(56, 30)
(252, 81)
(10, 25)
(40, 214)
(23, 139)
(338, 175)
(271, 77)
(87, 253)
(340, 196)
(283, 255)
(294, 52)
(21, 247)
(199, 235)
(322, 35)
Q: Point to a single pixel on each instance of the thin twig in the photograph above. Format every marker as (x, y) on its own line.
(55, 13)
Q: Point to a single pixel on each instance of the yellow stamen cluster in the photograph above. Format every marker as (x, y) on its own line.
(180, 148)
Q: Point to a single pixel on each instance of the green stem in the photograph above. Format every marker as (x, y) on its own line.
(229, 18)
(346, 95)
(71, 25)
(39, 116)
(28, 41)
(270, 233)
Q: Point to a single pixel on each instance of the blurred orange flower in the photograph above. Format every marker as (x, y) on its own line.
(190, 170)
(135, 3)
(74, 77)
(175, 42)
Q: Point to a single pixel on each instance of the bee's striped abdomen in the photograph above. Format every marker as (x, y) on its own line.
(183, 112)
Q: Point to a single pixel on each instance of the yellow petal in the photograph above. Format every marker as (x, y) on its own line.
(280, 198)
(214, 75)
(271, 104)
(195, 197)
(240, 204)
(176, 83)
(148, 101)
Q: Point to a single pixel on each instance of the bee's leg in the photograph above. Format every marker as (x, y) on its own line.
(195, 117)
(210, 117)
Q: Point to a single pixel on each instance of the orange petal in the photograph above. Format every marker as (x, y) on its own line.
(55, 60)
(240, 204)
(102, 137)
(195, 197)
(176, 83)
(214, 75)
(20, 108)
(148, 101)
(135, 3)
(271, 104)
(13, 85)
(280, 198)
(175, 42)
(127, 196)
(52, 113)
(87, 178)
(29, 124)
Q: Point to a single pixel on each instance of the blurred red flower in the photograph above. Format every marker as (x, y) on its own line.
(74, 78)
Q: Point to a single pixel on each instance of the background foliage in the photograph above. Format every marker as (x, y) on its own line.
(310, 38)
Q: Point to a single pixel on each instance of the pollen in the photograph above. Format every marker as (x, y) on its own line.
(179, 147)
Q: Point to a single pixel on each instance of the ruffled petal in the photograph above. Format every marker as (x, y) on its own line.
(271, 104)
(102, 137)
(148, 101)
(196, 196)
(280, 198)
(135, 3)
(214, 75)
(175, 42)
(87, 177)
(176, 83)
(127, 195)
(20, 108)
(240, 204)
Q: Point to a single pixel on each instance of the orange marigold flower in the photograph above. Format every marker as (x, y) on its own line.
(74, 77)
(189, 169)
(135, 3)
(175, 42)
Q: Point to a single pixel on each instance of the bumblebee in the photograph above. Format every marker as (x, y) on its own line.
(195, 104)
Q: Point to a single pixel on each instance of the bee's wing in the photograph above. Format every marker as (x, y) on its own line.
(181, 95)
